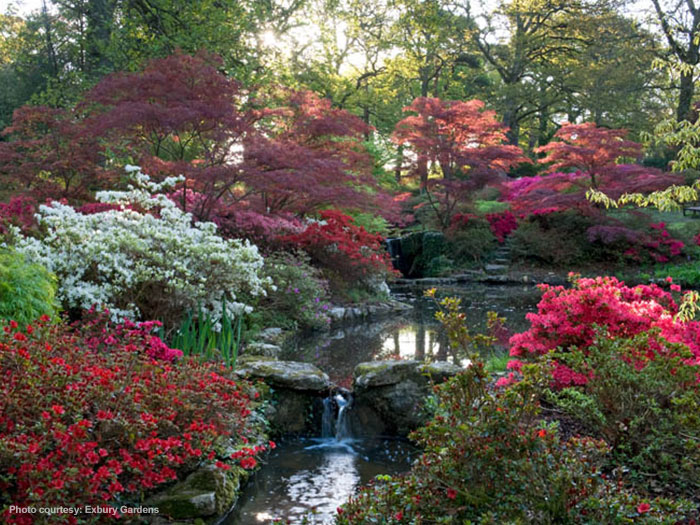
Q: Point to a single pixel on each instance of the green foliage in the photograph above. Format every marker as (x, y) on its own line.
(471, 243)
(300, 299)
(557, 239)
(202, 336)
(685, 274)
(490, 206)
(647, 410)
(374, 224)
(27, 291)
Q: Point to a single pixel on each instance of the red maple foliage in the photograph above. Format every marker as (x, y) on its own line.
(591, 149)
(288, 152)
(463, 142)
(51, 152)
(179, 115)
(312, 157)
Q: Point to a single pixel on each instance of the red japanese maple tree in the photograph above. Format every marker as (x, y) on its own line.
(462, 141)
(51, 152)
(289, 153)
(591, 149)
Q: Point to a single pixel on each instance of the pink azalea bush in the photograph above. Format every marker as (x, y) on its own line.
(602, 306)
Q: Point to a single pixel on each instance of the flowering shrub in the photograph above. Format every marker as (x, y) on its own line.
(644, 407)
(27, 291)
(490, 459)
(152, 263)
(574, 317)
(301, 296)
(79, 427)
(346, 252)
(502, 224)
(19, 211)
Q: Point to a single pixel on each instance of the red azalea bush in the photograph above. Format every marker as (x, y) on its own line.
(344, 251)
(574, 317)
(18, 211)
(84, 427)
(502, 224)
(655, 245)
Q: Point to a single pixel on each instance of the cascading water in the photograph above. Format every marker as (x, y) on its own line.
(335, 430)
(342, 425)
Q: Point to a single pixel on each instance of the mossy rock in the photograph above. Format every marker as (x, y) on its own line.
(293, 375)
(207, 492)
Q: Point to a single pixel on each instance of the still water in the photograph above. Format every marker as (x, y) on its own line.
(414, 334)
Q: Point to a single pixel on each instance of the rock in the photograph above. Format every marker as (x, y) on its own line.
(390, 395)
(336, 313)
(379, 373)
(286, 374)
(263, 349)
(440, 371)
(207, 492)
(272, 335)
(495, 268)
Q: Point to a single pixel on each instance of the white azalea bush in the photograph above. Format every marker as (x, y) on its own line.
(144, 259)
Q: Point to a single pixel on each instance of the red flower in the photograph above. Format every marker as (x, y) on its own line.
(451, 493)
(58, 409)
(542, 433)
(643, 507)
(398, 516)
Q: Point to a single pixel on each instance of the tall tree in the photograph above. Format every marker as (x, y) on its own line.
(680, 23)
(459, 140)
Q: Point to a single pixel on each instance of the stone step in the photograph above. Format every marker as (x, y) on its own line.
(495, 268)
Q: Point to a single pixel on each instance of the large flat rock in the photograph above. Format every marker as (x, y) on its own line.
(293, 375)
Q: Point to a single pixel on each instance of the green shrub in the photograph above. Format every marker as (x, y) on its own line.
(300, 299)
(489, 458)
(486, 206)
(472, 242)
(647, 410)
(557, 239)
(27, 291)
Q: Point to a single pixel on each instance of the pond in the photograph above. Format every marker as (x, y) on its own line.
(308, 478)
(413, 334)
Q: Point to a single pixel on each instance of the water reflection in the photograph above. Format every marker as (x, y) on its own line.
(311, 478)
(414, 334)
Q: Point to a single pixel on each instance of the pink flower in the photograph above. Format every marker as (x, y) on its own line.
(643, 507)
(451, 493)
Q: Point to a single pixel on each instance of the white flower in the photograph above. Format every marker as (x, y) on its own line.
(122, 258)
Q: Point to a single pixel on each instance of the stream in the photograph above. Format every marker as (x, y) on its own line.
(304, 480)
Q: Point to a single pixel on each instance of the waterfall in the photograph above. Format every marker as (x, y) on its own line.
(342, 427)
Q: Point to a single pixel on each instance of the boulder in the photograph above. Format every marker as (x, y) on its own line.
(390, 395)
(292, 375)
(263, 349)
(207, 492)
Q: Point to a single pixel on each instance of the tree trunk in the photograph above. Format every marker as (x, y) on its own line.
(399, 163)
(510, 120)
(685, 97)
(420, 343)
